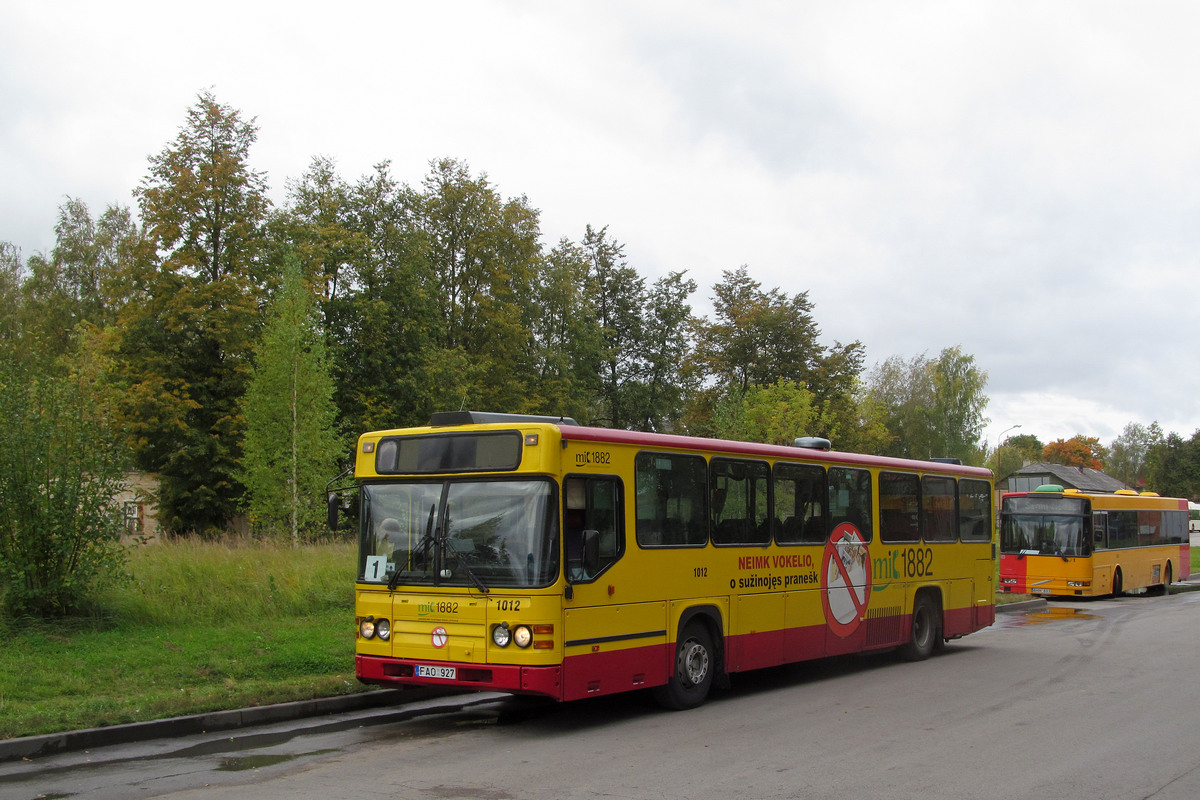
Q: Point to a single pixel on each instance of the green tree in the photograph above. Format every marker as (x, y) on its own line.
(774, 414)
(1173, 466)
(756, 337)
(931, 408)
(1127, 457)
(566, 335)
(759, 337)
(617, 295)
(483, 255)
(186, 344)
(959, 400)
(662, 384)
(290, 450)
(1028, 445)
(61, 467)
(12, 273)
(83, 280)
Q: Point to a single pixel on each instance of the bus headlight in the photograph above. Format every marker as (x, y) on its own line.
(366, 628)
(501, 635)
(523, 636)
(383, 629)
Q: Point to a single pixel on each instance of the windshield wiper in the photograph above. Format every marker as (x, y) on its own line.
(423, 545)
(462, 562)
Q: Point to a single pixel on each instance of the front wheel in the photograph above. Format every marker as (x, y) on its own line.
(926, 630)
(695, 663)
(1116, 584)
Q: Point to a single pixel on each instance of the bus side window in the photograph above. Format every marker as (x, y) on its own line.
(671, 499)
(1100, 530)
(593, 526)
(850, 499)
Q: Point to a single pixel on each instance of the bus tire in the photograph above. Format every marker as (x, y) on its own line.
(926, 629)
(1168, 579)
(695, 665)
(1116, 584)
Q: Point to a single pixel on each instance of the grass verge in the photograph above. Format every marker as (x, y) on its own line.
(201, 627)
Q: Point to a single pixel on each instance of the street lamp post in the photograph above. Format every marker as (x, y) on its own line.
(1000, 438)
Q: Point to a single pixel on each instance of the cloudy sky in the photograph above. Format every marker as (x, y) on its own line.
(1021, 179)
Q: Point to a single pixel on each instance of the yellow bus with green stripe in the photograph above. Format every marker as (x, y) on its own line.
(532, 555)
(1069, 543)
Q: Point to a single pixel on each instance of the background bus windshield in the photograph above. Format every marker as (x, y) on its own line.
(1043, 534)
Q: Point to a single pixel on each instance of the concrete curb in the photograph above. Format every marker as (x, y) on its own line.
(1021, 607)
(53, 743)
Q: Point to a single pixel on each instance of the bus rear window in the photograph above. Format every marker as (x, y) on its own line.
(449, 452)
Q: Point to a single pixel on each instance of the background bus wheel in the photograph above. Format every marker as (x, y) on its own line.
(1116, 587)
(695, 662)
(926, 630)
(1167, 580)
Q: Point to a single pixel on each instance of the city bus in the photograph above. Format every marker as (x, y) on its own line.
(1069, 543)
(531, 555)
(1194, 522)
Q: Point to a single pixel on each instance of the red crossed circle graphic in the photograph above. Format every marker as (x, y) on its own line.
(845, 579)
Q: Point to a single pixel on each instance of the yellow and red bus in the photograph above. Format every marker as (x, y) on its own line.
(531, 555)
(1069, 543)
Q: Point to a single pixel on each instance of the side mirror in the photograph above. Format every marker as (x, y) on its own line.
(583, 554)
(332, 519)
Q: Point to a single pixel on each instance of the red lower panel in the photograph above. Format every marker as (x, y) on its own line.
(594, 674)
(600, 673)
(474, 677)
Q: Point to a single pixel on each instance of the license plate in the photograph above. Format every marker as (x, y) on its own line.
(431, 671)
(1040, 591)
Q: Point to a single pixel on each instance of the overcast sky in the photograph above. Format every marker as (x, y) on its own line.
(1021, 179)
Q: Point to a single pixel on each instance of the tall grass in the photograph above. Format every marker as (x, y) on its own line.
(200, 627)
(206, 582)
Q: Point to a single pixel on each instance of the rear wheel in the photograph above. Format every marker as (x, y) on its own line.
(1168, 579)
(1116, 585)
(926, 630)
(695, 664)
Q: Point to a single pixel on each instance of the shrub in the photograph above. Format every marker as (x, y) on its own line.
(61, 467)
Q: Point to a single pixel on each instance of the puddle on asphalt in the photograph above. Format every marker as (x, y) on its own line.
(1046, 615)
(243, 763)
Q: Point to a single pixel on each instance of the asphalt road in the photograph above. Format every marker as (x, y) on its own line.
(1080, 700)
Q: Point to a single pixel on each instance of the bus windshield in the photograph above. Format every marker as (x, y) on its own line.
(475, 533)
(1043, 534)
